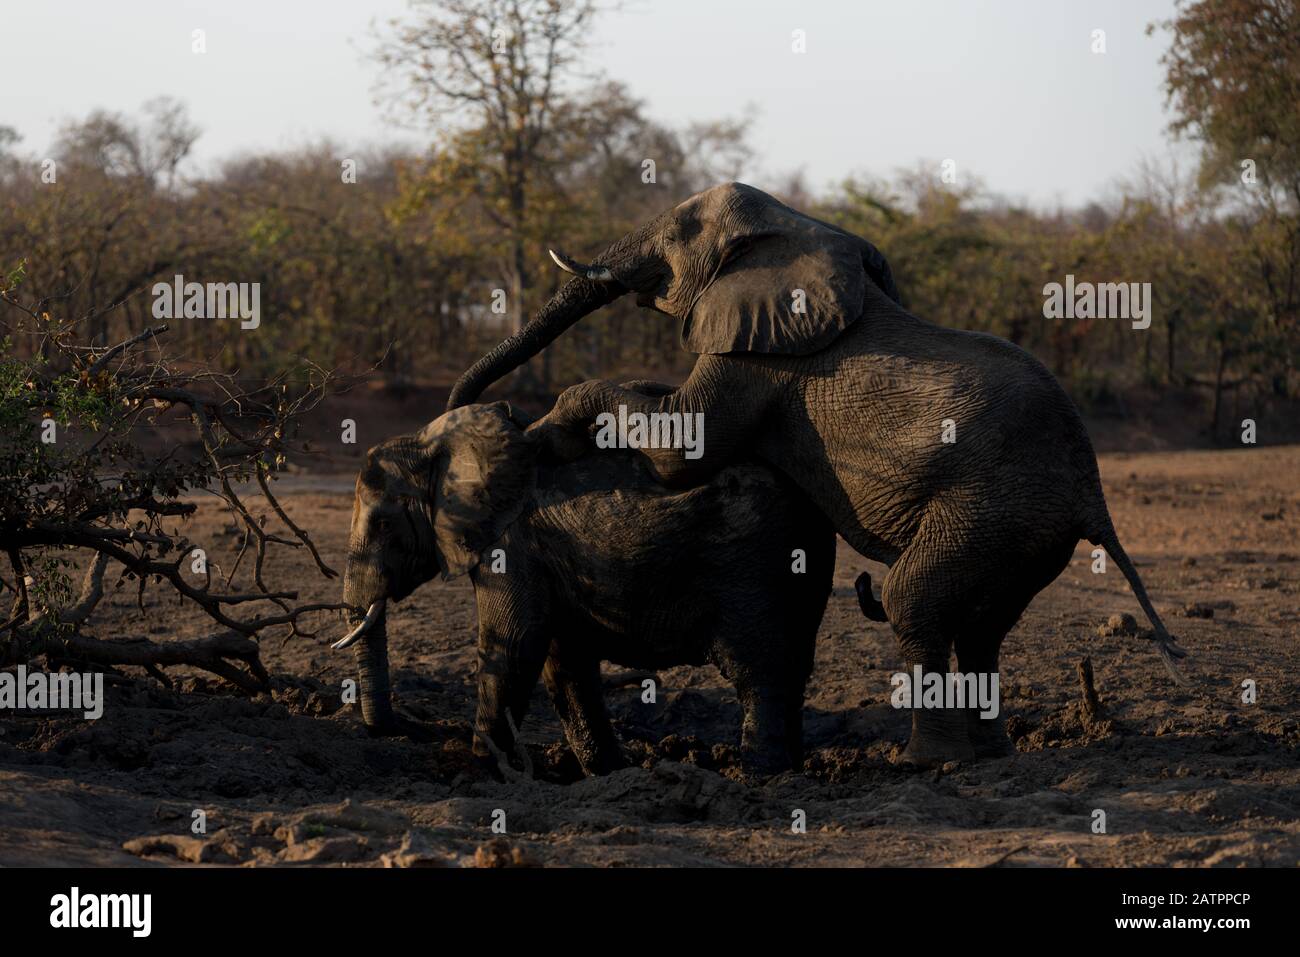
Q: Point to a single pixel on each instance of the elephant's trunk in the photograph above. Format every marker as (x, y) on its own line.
(364, 589)
(610, 275)
(575, 299)
(372, 670)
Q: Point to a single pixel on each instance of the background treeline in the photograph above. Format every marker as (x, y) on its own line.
(402, 265)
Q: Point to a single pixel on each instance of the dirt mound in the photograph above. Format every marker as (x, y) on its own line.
(1179, 776)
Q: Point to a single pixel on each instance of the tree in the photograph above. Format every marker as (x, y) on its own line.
(503, 66)
(1233, 77)
(115, 145)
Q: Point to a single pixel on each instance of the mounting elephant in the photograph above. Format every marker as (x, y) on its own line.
(586, 561)
(953, 457)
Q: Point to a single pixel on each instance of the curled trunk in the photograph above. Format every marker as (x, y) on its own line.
(575, 299)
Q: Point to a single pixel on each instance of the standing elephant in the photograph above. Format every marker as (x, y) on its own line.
(808, 361)
(587, 561)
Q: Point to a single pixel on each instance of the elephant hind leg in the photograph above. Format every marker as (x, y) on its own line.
(573, 680)
(978, 647)
(979, 640)
(925, 594)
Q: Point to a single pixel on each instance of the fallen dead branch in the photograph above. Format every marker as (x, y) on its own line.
(85, 486)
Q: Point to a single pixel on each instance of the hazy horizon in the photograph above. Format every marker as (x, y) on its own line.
(1011, 92)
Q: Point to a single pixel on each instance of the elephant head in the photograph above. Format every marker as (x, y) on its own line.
(741, 271)
(427, 504)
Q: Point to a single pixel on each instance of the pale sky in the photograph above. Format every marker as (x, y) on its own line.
(1008, 89)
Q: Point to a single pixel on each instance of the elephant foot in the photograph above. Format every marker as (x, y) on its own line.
(937, 738)
(989, 736)
(757, 767)
(927, 753)
(606, 763)
(597, 760)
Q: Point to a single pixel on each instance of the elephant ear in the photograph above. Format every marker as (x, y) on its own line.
(483, 474)
(788, 286)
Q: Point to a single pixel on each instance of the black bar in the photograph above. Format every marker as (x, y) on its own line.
(334, 906)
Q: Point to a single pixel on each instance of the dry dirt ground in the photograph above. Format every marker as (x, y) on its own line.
(1185, 778)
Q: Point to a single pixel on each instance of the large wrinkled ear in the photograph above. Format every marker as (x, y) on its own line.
(483, 473)
(789, 285)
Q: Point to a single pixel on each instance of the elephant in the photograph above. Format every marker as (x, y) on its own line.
(574, 563)
(955, 458)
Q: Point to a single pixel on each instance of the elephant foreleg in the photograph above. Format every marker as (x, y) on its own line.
(573, 681)
(724, 405)
(512, 646)
(765, 737)
(507, 674)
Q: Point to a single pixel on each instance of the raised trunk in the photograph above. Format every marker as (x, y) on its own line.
(575, 299)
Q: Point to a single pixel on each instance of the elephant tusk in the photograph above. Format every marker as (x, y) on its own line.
(594, 273)
(372, 613)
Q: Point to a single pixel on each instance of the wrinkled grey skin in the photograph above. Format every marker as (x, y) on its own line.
(601, 563)
(808, 361)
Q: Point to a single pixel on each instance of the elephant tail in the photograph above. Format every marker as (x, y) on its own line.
(871, 608)
(1169, 651)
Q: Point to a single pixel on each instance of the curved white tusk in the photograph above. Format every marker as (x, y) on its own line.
(594, 273)
(372, 613)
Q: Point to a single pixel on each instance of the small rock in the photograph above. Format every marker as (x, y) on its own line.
(292, 834)
(499, 853)
(323, 705)
(1124, 624)
(180, 846)
(416, 851)
(1189, 561)
(326, 850)
(1199, 609)
(219, 847)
